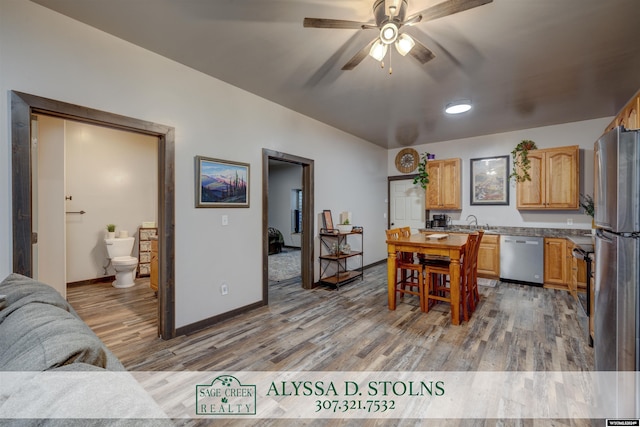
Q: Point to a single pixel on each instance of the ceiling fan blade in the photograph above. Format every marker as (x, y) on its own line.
(336, 23)
(358, 57)
(446, 8)
(421, 53)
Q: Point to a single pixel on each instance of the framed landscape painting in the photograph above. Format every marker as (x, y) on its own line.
(490, 181)
(221, 183)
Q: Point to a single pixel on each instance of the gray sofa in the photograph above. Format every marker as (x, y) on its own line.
(39, 331)
(47, 351)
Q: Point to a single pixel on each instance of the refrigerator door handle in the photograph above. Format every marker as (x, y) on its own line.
(600, 234)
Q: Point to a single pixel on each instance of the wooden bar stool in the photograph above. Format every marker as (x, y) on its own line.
(438, 286)
(472, 294)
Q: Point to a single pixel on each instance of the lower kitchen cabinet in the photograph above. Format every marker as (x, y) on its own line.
(555, 263)
(489, 257)
(576, 274)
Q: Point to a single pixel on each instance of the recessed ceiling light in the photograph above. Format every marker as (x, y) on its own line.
(458, 107)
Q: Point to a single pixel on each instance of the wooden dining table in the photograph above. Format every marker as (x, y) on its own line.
(452, 246)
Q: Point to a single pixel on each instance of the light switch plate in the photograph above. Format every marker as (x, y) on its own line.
(225, 219)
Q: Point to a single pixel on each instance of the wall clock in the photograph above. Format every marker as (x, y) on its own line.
(407, 160)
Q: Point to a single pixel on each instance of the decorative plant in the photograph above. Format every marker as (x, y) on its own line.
(111, 228)
(423, 177)
(521, 162)
(586, 202)
(346, 221)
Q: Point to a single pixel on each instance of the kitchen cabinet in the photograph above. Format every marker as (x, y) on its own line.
(554, 180)
(576, 274)
(629, 115)
(443, 190)
(571, 274)
(489, 256)
(555, 263)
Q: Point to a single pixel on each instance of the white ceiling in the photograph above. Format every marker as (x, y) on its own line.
(523, 63)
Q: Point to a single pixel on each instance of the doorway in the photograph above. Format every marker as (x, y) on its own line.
(306, 237)
(285, 221)
(23, 106)
(86, 177)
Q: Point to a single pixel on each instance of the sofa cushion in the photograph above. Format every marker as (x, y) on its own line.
(21, 290)
(40, 336)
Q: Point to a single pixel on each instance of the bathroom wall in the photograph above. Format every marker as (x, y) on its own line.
(113, 176)
(283, 178)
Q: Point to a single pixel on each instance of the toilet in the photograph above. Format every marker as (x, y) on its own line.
(119, 251)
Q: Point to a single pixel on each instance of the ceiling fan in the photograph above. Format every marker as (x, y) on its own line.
(390, 21)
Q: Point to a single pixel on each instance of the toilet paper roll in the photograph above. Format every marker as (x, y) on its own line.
(123, 233)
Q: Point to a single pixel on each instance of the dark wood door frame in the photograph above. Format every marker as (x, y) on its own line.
(22, 107)
(306, 250)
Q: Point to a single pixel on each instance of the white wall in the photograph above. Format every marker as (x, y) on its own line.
(583, 134)
(50, 55)
(49, 254)
(283, 178)
(112, 175)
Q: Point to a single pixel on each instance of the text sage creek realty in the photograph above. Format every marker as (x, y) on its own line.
(352, 388)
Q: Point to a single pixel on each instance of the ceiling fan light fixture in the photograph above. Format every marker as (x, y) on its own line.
(389, 33)
(458, 107)
(378, 50)
(404, 44)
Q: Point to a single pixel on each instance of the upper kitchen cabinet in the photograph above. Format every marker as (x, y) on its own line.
(629, 116)
(443, 189)
(554, 180)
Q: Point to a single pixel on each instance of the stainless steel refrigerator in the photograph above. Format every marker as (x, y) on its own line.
(617, 262)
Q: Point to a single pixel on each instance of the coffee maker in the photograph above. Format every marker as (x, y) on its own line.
(440, 220)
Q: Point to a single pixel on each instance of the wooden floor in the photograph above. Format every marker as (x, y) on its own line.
(515, 328)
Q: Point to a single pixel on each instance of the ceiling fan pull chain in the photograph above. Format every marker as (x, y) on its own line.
(390, 69)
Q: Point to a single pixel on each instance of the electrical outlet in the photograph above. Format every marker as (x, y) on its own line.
(224, 288)
(225, 219)
(569, 221)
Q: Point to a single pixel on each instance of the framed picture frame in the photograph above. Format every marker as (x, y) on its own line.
(327, 220)
(490, 181)
(221, 183)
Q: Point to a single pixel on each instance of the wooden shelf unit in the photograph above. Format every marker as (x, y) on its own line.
(334, 264)
(144, 250)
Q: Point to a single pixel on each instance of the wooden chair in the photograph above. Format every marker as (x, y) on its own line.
(472, 294)
(409, 275)
(438, 287)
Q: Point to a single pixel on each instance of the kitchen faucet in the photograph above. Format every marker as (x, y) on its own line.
(474, 220)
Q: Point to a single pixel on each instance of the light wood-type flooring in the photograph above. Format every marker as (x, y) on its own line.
(515, 328)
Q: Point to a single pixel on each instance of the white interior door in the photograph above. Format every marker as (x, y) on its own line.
(406, 204)
(49, 201)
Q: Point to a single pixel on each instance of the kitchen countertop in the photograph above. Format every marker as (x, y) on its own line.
(580, 237)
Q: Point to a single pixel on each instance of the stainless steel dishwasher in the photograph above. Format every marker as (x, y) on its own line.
(522, 259)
